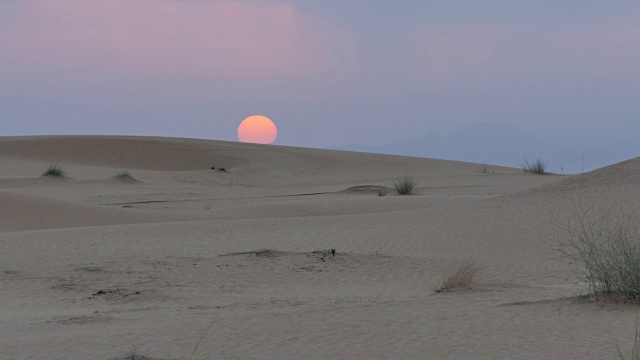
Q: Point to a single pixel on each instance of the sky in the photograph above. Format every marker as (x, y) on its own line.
(328, 72)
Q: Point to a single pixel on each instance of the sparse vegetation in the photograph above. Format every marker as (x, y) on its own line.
(635, 351)
(383, 191)
(460, 277)
(538, 166)
(487, 170)
(604, 248)
(54, 170)
(124, 175)
(404, 185)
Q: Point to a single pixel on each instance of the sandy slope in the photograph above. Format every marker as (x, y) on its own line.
(91, 267)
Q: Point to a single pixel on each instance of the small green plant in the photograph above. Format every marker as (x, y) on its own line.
(404, 185)
(461, 277)
(124, 175)
(383, 192)
(635, 351)
(54, 170)
(538, 166)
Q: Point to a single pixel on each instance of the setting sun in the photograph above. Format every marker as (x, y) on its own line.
(257, 129)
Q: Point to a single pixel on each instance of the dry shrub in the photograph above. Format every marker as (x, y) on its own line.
(603, 246)
(459, 277)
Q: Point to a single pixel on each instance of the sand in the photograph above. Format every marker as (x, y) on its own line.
(236, 264)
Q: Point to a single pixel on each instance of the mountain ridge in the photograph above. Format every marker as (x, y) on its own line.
(496, 143)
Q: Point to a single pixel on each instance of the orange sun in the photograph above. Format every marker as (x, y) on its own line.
(257, 129)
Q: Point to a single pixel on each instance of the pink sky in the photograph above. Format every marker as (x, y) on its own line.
(221, 39)
(328, 72)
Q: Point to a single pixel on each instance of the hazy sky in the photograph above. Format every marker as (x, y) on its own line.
(328, 72)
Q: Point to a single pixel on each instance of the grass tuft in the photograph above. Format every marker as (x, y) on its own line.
(404, 185)
(54, 170)
(538, 166)
(124, 175)
(135, 356)
(383, 192)
(604, 248)
(461, 277)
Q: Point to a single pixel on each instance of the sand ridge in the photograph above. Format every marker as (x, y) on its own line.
(134, 153)
(23, 212)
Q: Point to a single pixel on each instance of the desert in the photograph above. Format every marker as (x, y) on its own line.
(182, 261)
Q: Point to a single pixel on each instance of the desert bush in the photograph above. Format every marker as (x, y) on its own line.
(404, 185)
(124, 175)
(460, 277)
(538, 166)
(603, 246)
(383, 191)
(635, 350)
(54, 170)
(133, 355)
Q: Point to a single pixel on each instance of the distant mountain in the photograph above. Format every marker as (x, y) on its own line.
(495, 143)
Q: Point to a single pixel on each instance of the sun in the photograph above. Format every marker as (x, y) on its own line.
(257, 129)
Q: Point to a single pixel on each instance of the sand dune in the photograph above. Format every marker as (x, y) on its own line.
(619, 177)
(235, 264)
(122, 152)
(22, 212)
